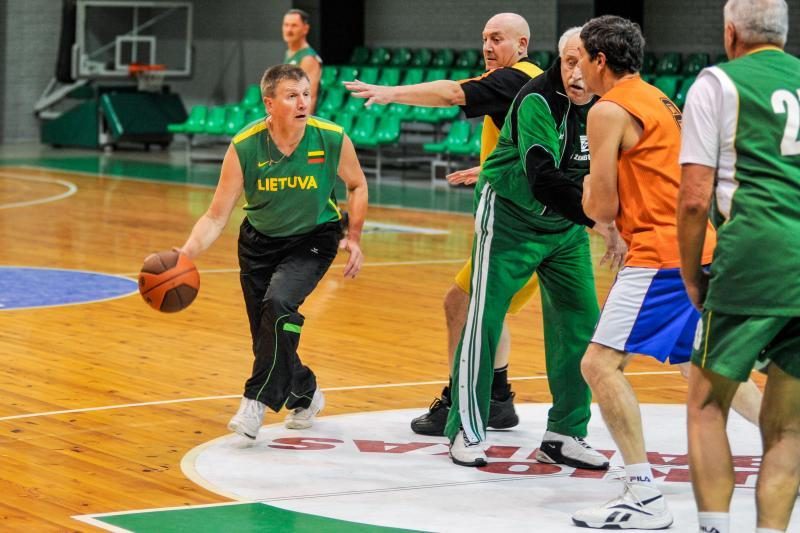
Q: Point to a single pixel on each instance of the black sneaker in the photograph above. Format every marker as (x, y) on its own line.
(433, 422)
(502, 414)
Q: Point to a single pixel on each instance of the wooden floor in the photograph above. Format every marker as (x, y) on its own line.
(77, 434)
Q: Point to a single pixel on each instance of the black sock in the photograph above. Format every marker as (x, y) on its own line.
(446, 391)
(500, 387)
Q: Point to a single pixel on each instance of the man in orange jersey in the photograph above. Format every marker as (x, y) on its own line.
(634, 141)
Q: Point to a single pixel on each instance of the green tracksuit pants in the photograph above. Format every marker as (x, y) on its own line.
(506, 251)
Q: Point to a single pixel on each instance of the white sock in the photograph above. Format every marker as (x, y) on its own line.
(714, 522)
(639, 473)
(768, 530)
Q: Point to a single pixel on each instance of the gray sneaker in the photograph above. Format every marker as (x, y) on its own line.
(303, 418)
(466, 453)
(248, 419)
(571, 451)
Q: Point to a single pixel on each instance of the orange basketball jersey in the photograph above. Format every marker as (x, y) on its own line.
(648, 178)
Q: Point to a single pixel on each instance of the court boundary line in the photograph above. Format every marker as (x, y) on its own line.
(71, 189)
(212, 187)
(325, 389)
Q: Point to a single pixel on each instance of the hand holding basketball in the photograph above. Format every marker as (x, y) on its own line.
(168, 281)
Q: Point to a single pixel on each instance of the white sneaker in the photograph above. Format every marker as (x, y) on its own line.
(303, 418)
(641, 506)
(248, 419)
(571, 451)
(466, 453)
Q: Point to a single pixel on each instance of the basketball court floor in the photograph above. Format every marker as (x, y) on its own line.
(114, 415)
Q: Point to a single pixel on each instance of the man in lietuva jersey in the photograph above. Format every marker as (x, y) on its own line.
(529, 219)
(298, 52)
(505, 52)
(741, 145)
(286, 165)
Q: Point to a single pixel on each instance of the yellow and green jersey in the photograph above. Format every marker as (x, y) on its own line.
(290, 195)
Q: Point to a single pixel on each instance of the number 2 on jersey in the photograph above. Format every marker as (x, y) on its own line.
(784, 101)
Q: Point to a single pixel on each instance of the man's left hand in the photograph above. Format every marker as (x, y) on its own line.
(356, 258)
(697, 289)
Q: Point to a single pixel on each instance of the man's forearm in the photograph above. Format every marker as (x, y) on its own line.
(440, 93)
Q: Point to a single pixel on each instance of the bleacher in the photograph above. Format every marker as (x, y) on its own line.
(401, 135)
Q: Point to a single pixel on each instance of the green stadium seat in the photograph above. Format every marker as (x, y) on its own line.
(443, 58)
(252, 96)
(649, 78)
(460, 74)
(413, 75)
(254, 113)
(542, 58)
(695, 63)
(369, 74)
(668, 85)
(683, 90)
(388, 130)
(332, 101)
(355, 106)
(389, 76)
(345, 120)
(473, 146)
(467, 59)
(215, 123)
(649, 63)
(401, 110)
(447, 113)
(400, 57)
(436, 74)
(457, 135)
(360, 55)
(363, 133)
(234, 119)
(669, 64)
(428, 115)
(195, 122)
(329, 75)
(379, 57)
(421, 57)
(347, 73)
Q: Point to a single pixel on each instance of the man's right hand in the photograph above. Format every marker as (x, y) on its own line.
(375, 94)
(464, 177)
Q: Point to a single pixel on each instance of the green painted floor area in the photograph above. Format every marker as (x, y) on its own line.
(414, 194)
(242, 518)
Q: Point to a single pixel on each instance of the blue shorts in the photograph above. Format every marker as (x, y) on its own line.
(648, 312)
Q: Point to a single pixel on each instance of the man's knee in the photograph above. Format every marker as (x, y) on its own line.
(277, 306)
(455, 303)
(599, 362)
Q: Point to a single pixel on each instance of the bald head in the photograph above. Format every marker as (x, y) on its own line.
(505, 40)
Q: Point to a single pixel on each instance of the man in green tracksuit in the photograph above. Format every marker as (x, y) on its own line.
(298, 52)
(528, 219)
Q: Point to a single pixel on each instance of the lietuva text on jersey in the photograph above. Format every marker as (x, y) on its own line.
(286, 182)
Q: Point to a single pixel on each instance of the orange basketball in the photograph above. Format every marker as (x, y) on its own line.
(168, 281)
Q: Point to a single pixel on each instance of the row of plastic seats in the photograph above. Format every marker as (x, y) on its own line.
(462, 139)
(436, 58)
(217, 120)
(674, 86)
(336, 101)
(333, 75)
(673, 63)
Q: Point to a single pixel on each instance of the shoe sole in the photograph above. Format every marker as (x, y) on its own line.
(542, 457)
(504, 424)
(581, 523)
(239, 431)
(475, 463)
(294, 424)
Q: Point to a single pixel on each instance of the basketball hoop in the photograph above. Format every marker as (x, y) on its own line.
(148, 77)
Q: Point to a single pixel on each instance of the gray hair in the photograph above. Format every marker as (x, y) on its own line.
(566, 36)
(759, 21)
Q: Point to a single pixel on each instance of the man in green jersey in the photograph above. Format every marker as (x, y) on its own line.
(286, 165)
(740, 145)
(298, 52)
(529, 219)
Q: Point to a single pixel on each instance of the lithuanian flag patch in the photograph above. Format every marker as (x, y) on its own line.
(316, 157)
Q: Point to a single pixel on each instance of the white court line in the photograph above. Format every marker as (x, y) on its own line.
(71, 189)
(328, 389)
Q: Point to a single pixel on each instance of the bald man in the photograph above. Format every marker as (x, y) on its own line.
(505, 53)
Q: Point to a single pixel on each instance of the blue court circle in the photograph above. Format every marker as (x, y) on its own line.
(30, 287)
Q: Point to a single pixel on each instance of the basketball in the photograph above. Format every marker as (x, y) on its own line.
(168, 281)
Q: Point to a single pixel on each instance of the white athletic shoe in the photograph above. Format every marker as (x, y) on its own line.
(571, 451)
(248, 419)
(466, 453)
(303, 418)
(641, 506)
